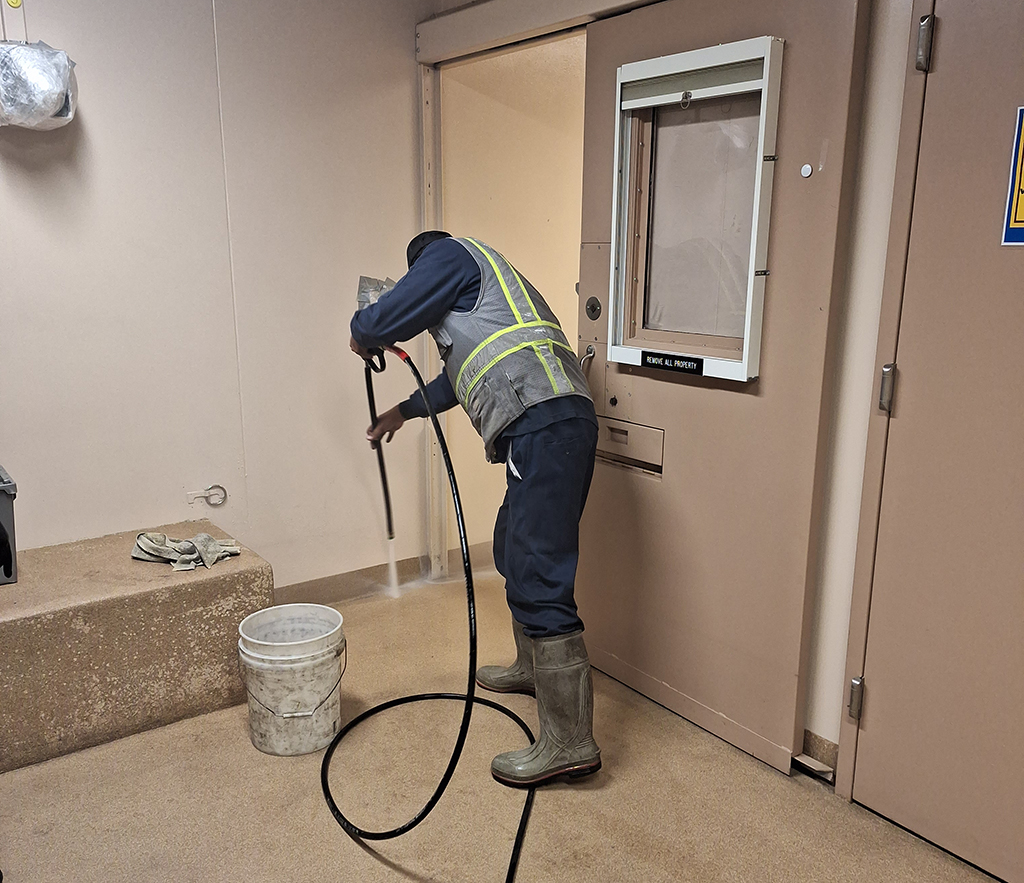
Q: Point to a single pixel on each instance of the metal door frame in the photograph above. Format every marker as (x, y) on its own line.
(897, 252)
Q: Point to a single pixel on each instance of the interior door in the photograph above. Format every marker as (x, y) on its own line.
(700, 539)
(939, 749)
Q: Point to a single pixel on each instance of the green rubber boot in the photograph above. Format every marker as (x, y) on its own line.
(565, 706)
(518, 677)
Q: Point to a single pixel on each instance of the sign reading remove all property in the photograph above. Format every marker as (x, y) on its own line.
(1013, 229)
(669, 362)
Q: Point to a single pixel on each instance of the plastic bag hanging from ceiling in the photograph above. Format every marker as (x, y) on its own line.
(38, 88)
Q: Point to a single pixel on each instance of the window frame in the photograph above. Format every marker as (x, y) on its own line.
(743, 67)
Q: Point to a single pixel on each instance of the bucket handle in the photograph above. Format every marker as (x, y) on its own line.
(294, 714)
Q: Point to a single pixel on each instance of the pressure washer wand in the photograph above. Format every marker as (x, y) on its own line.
(375, 367)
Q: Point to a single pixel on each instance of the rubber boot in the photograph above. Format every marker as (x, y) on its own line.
(518, 677)
(565, 706)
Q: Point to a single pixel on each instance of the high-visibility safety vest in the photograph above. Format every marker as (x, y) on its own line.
(507, 353)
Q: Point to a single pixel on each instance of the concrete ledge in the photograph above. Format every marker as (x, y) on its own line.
(95, 646)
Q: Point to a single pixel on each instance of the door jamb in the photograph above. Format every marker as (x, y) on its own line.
(897, 250)
(431, 215)
(480, 27)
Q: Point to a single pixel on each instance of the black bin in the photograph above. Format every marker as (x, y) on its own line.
(8, 491)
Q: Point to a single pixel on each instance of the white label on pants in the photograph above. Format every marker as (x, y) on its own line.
(511, 465)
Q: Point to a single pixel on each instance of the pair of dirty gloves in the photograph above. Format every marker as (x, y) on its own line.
(183, 554)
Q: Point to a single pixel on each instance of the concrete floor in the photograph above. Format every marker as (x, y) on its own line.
(195, 802)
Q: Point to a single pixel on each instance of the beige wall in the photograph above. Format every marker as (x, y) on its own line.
(118, 378)
(321, 133)
(178, 266)
(512, 175)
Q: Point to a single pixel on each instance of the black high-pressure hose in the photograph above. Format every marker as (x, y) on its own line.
(373, 366)
(469, 697)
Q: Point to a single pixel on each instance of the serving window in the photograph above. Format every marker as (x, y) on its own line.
(695, 143)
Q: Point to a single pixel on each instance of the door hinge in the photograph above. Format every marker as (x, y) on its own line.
(925, 31)
(856, 697)
(886, 388)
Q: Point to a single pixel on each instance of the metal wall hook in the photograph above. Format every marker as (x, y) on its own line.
(588, 355)
(684, 102)
(215, 495)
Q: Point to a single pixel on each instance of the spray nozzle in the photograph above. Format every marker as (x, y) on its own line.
(376, 361)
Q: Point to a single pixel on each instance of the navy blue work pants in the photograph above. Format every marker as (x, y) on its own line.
(536, 534)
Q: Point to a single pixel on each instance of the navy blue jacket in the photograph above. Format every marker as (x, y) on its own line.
(445, 278)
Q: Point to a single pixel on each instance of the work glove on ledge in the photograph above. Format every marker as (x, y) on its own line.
(183, 554)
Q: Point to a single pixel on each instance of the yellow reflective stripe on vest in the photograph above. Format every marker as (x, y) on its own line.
(547, 369)
(540, 323)
(501, 280)
(508, 352)
(561, 367)
(523, 288)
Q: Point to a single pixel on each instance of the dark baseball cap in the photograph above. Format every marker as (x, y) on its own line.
(421, 241)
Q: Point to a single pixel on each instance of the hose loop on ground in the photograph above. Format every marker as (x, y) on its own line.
(469, 697)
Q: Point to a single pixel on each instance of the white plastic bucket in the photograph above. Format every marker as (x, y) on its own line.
(291, 662)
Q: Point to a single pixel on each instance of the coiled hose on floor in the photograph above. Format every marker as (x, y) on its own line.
(469, 697)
